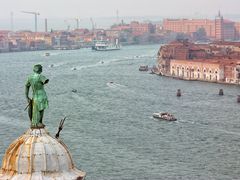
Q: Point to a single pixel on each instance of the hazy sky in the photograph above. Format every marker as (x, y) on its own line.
(107, 8)
(60, 13)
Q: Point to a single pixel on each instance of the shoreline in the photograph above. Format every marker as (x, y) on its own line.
(200, 80)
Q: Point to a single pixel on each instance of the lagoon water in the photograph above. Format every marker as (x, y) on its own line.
(109, 129)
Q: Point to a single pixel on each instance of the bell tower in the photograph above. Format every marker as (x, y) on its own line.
(219, 27)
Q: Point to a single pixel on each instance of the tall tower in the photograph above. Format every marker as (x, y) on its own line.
(12, 28)
(117, 13)
(46, 25)
(219, 27)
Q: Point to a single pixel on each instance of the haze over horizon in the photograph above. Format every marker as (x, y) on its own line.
(65, 9)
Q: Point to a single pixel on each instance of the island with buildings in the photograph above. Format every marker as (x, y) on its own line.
(215, 62)
(132, 33)
(147, 32)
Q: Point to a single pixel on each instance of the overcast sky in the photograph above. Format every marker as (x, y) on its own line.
(108, 8)
(60, 13)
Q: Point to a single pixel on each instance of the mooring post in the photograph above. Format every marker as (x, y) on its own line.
(238, 99)
(220, 92)
(179, 93)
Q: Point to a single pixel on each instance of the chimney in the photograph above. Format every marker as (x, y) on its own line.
(46, 25)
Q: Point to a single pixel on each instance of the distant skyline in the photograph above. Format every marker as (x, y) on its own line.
(66, 9)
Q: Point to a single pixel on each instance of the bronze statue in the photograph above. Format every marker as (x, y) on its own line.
(39, 100)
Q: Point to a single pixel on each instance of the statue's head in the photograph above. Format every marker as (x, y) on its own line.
(37, 68)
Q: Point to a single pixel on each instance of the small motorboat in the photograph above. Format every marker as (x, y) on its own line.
(47, 54)
(164, 116)
(74, 90)
(143, 68)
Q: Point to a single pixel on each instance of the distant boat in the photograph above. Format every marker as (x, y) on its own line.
(106, 46)
(47, 54)
(143, 68)
(164, 116)
(74, 90)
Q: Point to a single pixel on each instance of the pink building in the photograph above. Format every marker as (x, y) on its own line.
(218, 28)
(141, 28)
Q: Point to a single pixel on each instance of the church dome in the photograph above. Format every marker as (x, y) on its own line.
(36, 155)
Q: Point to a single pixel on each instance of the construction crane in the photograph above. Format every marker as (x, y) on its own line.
(35, 15)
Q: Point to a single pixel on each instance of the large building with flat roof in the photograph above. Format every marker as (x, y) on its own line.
(219, 28)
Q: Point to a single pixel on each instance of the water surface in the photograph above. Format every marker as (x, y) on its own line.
(109, 129)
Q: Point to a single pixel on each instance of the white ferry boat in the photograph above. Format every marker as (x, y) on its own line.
(106, 46)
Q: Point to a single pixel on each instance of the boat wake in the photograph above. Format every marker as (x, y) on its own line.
(228, 132)
(50, 54)
(57, 65)
(100, 63)
(126, 59)
(184, 121)
(77, 97)
(115, 85)
(144, 56)
(122, 89)
(206, 124)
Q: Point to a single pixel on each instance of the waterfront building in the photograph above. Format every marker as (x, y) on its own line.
(197, 70)
(121, 27)
(136, 28)
(112, 34)
(61, 41)
(4, 44)
(141, 28)
(5, 33)
(216, 62)
(219, 28)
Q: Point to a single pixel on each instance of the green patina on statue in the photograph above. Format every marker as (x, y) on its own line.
(39, 100)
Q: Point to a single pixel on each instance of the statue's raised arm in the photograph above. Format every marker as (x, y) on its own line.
(39, 101)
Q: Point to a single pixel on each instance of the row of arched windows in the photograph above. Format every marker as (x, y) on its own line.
(195, 73)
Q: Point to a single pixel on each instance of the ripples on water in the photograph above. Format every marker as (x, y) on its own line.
(110, 131)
